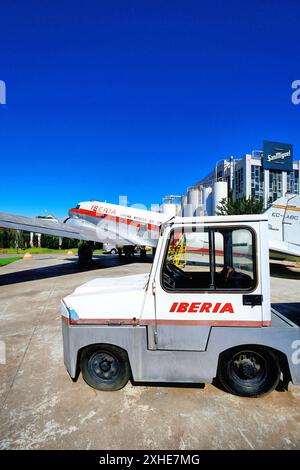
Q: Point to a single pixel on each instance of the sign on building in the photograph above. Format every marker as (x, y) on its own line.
(277, 156)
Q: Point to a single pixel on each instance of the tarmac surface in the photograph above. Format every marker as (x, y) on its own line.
(42, 408)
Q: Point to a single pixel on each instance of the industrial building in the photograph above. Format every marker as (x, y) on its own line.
(265, 174)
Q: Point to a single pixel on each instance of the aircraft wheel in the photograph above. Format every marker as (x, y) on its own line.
(85, 253)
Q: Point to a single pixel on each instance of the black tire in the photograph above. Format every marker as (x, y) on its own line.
(105, 367)
(85, 253)
(113, 251)
(249, 371)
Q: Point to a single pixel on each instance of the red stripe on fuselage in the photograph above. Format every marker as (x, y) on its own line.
(117, 219)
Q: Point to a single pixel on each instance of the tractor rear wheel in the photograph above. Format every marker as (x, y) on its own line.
(249, 371)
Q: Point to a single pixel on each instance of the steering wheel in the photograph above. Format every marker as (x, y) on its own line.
(172, 274)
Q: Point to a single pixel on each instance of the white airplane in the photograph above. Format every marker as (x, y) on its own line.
(127, 227)
(284, 227)
(95, 221)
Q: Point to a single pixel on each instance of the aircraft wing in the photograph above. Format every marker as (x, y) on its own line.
(283, 250)
(79, 229)
(47, 226)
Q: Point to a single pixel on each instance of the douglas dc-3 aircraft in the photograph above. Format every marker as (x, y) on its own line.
(95, 221)
(127, 227)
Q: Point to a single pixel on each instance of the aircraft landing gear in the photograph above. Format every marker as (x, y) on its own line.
(128, 251)
(85, 253)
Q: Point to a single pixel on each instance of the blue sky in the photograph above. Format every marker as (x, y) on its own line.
(138, 97)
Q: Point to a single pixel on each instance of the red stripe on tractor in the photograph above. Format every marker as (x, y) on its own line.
(103, 321)
(135, 322)
(206, 323)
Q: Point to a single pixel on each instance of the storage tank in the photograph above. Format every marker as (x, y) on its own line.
(219, 193)
(178, 208)
(207, 200)
(199, 212)
(194, 199)
(186, 208)
(184, 205)
(183, 201)
(169, 209)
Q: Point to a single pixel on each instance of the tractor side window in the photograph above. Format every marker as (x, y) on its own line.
(210, 259)
(237, 249)
(243, 256)
(219, 251)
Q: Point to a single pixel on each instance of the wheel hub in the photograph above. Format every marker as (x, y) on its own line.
(246, 366)
(249, 369)
(104, 366)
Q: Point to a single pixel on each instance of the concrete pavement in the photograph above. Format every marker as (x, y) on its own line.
(42, 408)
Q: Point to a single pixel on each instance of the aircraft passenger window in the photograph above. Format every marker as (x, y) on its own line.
(212, 259)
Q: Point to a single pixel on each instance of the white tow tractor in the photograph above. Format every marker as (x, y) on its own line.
(203, 313)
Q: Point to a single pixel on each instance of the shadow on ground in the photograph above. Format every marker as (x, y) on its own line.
(69, 267)
(291, 310)
(284, 271)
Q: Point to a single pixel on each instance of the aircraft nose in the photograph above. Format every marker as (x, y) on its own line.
(74, 210)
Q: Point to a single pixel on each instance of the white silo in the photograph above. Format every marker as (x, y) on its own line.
(183, 200)
(178, 208)
(171, 205)
(207, 200)
(169, 209)
(219, 193)
(186, 208)
(194, 199)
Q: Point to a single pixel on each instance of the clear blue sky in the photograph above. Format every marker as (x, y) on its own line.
(138, 97)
